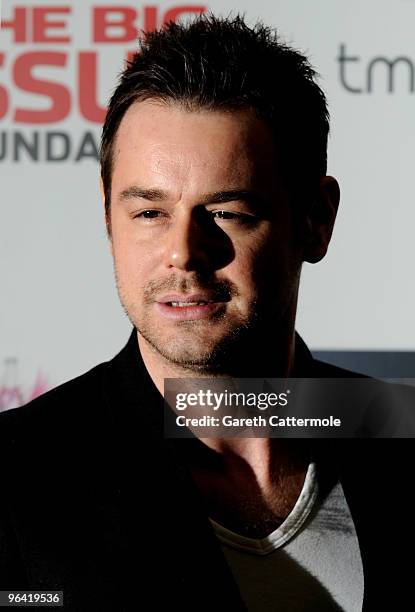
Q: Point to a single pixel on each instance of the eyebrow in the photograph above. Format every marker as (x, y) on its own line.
(133, 192)
(217, 197)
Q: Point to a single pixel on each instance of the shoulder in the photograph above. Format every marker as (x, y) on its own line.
(307, 366)
(386, 408)
(321, 369)
(74, 399)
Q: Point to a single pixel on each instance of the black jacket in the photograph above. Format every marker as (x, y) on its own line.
(96, 503)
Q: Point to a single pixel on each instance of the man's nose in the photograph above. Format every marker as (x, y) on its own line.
(190, 243)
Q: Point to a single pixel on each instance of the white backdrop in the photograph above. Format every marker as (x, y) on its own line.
(60, 314)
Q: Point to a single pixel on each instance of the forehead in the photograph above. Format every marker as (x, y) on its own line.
(166, 142)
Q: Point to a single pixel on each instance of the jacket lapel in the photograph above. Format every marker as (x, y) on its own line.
(153, 470)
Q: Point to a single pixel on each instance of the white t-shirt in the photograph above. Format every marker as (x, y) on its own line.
(310, 563)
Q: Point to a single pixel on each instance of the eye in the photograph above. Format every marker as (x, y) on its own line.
(149, 214)
(227, 215)
(224, 214)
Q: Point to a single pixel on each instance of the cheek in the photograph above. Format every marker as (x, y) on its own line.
(130, 263)
(134, 250)
(254, 253)
(246, 268)
(127, 250)
(266, 265)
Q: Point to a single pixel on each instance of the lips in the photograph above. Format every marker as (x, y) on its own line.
(189, 307)
(187, 304)
(182, 301)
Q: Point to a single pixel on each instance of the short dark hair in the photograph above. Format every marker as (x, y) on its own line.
(222, 63)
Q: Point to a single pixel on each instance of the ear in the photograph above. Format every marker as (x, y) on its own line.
(320, 218)
(106, 213)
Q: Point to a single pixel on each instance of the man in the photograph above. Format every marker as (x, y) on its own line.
(215, 191)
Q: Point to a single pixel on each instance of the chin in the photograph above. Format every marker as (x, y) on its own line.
(189, 354)
(187, 350)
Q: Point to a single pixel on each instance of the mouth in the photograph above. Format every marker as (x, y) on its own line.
(189, 307)
(178, 304)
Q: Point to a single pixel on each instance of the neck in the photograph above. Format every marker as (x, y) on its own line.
(261, 359)
(250, 486)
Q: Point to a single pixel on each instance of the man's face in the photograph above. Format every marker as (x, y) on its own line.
(202, 232)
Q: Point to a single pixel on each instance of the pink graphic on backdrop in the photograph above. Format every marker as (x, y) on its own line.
(12, 394)
(10, 397)
(40, 387)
